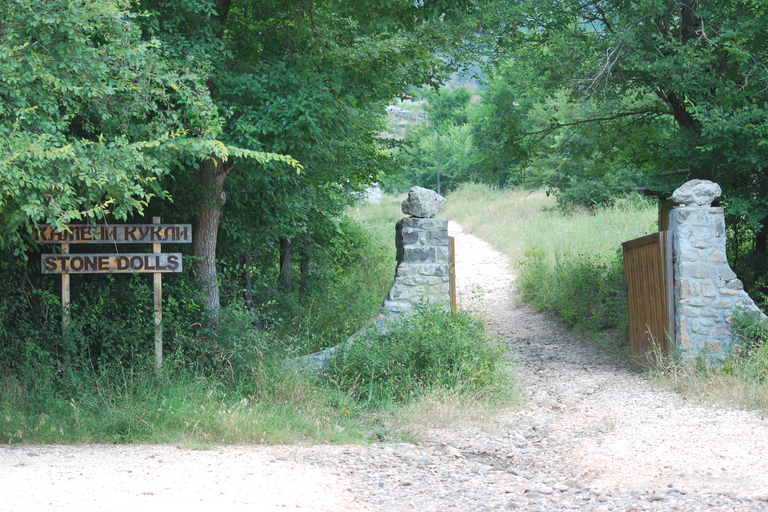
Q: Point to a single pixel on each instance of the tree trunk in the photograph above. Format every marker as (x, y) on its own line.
(286, 265)
(304, 265)
(213, 175)
(257, 323)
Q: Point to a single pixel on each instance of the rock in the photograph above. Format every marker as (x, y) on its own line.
(697, 193)
(423, 203)
(374, 194)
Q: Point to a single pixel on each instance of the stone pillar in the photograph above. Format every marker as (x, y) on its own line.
(707, 291)
(423, 259)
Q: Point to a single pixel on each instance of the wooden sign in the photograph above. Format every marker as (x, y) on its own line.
(116, 234)
(156, 263)
(110, 263)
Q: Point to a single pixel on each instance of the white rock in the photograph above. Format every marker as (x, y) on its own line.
(422, 203)
(697, 193)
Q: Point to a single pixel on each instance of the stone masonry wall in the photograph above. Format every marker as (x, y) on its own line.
(707, 292)
(423, 263)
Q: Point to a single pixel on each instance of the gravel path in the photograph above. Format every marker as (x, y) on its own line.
(592, 436)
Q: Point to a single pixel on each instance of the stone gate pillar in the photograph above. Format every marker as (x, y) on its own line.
(422, 274)
(707, 291)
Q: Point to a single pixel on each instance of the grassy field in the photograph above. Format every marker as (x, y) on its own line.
(569, 264)
(517, 221)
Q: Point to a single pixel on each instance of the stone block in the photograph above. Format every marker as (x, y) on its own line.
(722, 303)
(689, 312)
(722, 332)
(425, 224)
(411, 236)
(735, 284)
(717, 257)
(701, 234)
(399, 291)
(695, 302)
(708, 289)
(697, 271)
(438, 238)
(419, 255)
(729, 292)
(689, 256)
(709, 312)
(726, 274)
(686, 288)
(700, 244)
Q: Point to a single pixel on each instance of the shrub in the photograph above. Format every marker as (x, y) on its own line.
(430, 350)
(586, 292)
(751, 332)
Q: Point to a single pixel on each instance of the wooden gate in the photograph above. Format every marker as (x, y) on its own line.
(650, 300)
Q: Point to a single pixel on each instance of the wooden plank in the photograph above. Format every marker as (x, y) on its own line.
(669, 288)
(110, 263)
(157, 278)
(452, 273)
(647, 270)
(116, 234)
(639, 242)
(65, 298)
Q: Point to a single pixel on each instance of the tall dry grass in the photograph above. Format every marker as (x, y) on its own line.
(516, 221)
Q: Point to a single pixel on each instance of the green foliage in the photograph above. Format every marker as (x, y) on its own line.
(661, 91)
(431, 350)
(751, 331)
(587, 293)
(448, 106)
(350, 278)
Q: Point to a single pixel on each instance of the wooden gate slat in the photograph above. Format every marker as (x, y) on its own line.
(647, 269)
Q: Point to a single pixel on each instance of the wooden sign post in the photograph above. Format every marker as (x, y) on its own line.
(156, 262)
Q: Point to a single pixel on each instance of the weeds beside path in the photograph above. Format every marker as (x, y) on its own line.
(593, 435)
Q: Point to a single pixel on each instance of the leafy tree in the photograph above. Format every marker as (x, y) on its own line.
(309, 79)
(92, 115)
(683, 84)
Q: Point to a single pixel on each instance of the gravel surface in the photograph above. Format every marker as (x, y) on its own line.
(592, 436)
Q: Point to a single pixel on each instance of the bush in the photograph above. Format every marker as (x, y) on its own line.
(751, 332)
(586, 292)
(430, 350)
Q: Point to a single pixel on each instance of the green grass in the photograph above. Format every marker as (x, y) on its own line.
(517, 221)
(431, 350)
(569, 264)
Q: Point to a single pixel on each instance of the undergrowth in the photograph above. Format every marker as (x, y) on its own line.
(568, 263)
(431, 350)
(97, 383)
(740, 381)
